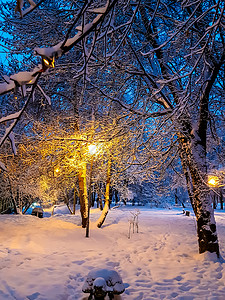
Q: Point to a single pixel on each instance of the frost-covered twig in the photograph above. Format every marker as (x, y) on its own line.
(18, 115)
(132, 110)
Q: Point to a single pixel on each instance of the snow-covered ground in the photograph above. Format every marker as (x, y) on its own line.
(48, 258)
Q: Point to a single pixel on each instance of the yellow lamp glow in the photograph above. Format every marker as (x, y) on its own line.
(92, 149)
(49, 63)
(46, 62)
(57, 170)
(213, 181)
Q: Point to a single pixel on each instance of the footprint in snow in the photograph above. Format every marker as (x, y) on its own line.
(140, 296)
(185, 288)
(112, 264)
(28, 258)
(218, 275)
(143, 283)
(33, 296)
(220, 268)
(50, 269)
(178, 278)
(74, 277)
(174, 295)
(78, 262)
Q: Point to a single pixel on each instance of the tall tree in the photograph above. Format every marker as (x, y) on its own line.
(158, 60)
(179, 51)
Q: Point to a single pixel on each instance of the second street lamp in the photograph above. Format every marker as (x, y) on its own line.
(216, 183)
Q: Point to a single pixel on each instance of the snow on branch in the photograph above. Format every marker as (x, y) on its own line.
(2, 166)
(63, 47)
(128, 24)
(12, 141)
(133, 110)
(50, 52)
(187, 24)
(19, 79)
(16, 117)
(20, 4)
(10, 117)
(48, 55)
(8, 131)
(100, 10)
(6, 87)
(43, 93)
(22, 78)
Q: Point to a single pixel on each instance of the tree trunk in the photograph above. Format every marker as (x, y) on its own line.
(221, 199)
(11, 195)
(67, 201)
(194, 161)
(206, 225)
(93, 199)
(176, 197)
(83, 194)
(116, 197)
(184, 153)
(107, 197)
(89, 198)
(214, 200)
(99, 196)
(74, 201)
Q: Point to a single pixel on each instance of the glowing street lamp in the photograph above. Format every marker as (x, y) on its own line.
(48, 62)
(213, 181)
(57, 170)
(92, 148)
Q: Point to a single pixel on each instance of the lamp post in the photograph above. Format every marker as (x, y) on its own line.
(214, 181)
(56, 171)
(92, 149)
